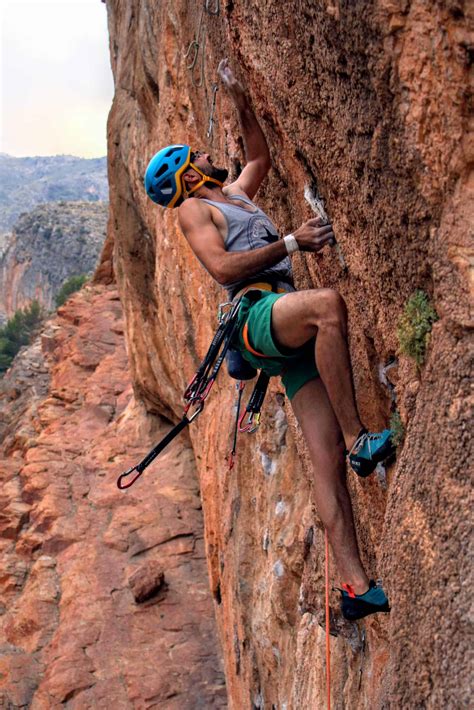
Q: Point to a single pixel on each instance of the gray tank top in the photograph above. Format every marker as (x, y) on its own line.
(252, 230)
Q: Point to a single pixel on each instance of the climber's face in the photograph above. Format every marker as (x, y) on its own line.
(201, 159)
(204, 162)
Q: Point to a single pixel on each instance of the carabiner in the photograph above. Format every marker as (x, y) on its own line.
(223, 311)
(252, 423)
(199, 408)
(214, 9)
(123, 486)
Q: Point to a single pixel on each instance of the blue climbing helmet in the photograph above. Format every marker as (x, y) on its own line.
(163, 176)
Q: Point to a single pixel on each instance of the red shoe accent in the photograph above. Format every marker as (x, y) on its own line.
(347, 588)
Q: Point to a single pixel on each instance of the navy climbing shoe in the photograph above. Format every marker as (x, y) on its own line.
(369, 450)
(356, 606)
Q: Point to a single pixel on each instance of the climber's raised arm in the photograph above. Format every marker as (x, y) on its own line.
(257, 155)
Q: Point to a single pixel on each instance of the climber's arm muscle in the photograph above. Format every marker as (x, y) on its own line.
(208, 245)
(203, 237)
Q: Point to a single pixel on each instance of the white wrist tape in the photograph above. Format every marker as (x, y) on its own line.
(291, 244)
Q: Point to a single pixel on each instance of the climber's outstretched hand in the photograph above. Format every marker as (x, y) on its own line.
(314, 234)
(227, 76)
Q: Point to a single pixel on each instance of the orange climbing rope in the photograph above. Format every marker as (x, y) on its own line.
(328, 648)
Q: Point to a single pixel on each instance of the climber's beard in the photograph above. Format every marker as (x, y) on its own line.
(220, 174)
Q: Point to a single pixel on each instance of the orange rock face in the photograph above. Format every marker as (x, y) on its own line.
(369, 101)
(104, 594)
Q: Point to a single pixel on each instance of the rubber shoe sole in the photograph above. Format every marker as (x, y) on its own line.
(357, 607)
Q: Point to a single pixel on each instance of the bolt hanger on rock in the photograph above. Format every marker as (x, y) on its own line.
(317, 205)
(212, 120)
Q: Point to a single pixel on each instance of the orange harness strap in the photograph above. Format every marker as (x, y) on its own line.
(245, 330)
(245, 336)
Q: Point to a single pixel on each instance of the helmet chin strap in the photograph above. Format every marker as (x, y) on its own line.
(205, 178)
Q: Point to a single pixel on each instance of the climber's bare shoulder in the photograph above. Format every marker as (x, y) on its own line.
(195, 217)
(193, 209)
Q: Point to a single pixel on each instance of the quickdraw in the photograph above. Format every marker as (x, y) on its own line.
(240, 386)
(195, 45)
(250, 419)
(199, 388)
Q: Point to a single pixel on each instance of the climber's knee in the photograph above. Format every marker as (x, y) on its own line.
(329, 308)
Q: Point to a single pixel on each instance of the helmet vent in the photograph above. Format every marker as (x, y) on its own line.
(173, 150)
(162, 170)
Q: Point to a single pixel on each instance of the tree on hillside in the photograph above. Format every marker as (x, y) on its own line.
(70, 286)
(19, 331)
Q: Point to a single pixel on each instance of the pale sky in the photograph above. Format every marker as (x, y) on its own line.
(56, 84)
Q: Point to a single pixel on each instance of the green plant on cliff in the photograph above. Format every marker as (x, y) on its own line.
(415, 325)
(70, 286)
(398, 430)
(19, 331)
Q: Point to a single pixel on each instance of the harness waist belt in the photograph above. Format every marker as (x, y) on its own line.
(260, 286)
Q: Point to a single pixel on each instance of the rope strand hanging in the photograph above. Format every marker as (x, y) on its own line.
(198, 43)
(196, 58)
(327, 613)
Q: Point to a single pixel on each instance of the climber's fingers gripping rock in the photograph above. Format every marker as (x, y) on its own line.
(228, 78)
(314, 234)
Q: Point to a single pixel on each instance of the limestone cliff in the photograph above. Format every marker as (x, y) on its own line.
(104, 597)
(369, 102)
(47, 246)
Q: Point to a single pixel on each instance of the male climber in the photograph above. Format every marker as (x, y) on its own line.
(300, 335)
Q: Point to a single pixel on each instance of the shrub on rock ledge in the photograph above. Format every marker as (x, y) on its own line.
(415, 325)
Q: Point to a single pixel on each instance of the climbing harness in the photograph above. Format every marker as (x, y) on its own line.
(198, 390)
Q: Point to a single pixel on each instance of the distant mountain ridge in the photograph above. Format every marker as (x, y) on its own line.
(27, 182)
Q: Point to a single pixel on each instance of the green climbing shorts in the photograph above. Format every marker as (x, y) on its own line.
(295, 367)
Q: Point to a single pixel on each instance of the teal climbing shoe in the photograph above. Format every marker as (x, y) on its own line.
(356, 606)
(369, 450)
